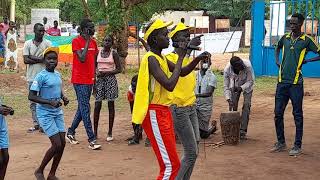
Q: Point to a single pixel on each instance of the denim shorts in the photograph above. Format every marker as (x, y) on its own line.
(4, 137)
(50, 119)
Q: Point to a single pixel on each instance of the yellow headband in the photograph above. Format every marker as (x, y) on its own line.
(51, 49)
(157, 24)
(179, 27)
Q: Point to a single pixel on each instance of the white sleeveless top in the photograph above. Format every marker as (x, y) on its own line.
(105, 64)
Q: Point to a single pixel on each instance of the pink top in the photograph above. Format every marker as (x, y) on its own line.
(106, 64)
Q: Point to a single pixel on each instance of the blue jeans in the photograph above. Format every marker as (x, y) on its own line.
(83, 92)
(295, 93)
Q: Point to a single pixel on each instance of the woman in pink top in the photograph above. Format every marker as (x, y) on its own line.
(106, 86)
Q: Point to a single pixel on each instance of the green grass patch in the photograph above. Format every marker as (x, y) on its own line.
(18, 98)
(7, 71)
(262, 84)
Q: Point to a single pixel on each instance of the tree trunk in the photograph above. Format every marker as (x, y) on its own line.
(122, 44)
(86, 8)
(144, 43)
(122, 38)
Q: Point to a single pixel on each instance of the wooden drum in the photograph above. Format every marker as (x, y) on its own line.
(230, 127)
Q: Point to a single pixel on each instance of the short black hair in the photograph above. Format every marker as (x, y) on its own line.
(55, 21)
(182, 20)
(84, 23)
(299, 16)
(108, 36)
(235, 59)
(36, 26)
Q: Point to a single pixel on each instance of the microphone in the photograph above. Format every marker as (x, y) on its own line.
(191, 47)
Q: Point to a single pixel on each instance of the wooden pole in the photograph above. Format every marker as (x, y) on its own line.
(13, 10)
(138, 43)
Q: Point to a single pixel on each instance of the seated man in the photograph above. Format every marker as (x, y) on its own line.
(239, 77)
(206, 84)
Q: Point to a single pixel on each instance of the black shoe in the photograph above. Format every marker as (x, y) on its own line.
(33, 129)
(278, 147)
(129, 139)
(243, 136)
(132, 142)
(295, 151)
(147, 143)
(214, 127)
(72, 139)
(41, 130)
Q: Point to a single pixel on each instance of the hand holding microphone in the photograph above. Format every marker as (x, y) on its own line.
(192, 45)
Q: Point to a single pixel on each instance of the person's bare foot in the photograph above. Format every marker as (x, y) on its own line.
(52, 178)
(39, 175)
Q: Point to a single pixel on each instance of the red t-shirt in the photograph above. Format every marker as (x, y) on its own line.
(83, 73)
(54, 32)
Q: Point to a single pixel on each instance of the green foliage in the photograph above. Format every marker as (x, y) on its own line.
(233, 9)
(115, 14)
(143, 12)
(305, 8)
(72, 10)
(23, 7)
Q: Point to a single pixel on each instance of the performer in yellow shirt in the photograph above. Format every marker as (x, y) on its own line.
(153, 98)
(184, 110)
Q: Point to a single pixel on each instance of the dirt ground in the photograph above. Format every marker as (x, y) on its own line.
(248, 160)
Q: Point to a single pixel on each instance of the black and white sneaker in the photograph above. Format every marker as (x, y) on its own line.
(278, 147)
(295, 151)
(72, 139)
(94, 145)
(33, 129)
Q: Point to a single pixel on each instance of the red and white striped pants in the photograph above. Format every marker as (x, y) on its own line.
(158, 125)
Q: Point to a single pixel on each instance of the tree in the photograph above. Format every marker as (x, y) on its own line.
(23, 7)
(233, 9)
(119, 12)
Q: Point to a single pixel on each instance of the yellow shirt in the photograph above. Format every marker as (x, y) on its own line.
(184, 91)
(149, 90)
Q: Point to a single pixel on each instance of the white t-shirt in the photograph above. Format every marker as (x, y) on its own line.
(73, 32)
(31, 49)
